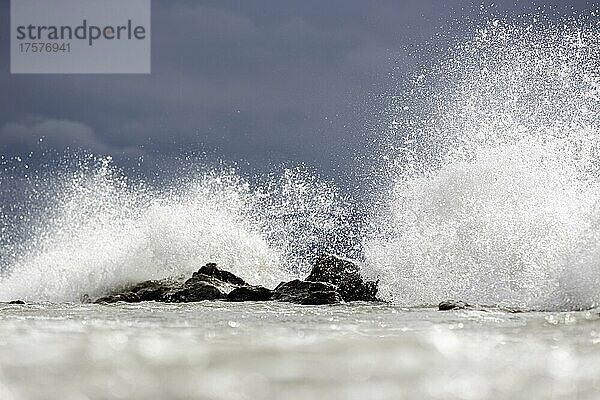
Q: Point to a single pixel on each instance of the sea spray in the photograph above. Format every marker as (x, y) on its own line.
(494, 181)
(102, 230)
(491, 194)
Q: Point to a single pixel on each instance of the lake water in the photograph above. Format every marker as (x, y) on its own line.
(280, 351)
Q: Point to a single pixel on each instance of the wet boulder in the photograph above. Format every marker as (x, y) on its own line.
(319, 298)
(250, 293)
(345, 274)
(448, 305)
(196, 290)
(305, 292)
(127, 297)
(211, 270)
(153, 290)
(208, 283)
(210, 275)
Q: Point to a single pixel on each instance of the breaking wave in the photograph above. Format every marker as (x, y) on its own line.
(495, 180)
(490, 195)
(100, 230)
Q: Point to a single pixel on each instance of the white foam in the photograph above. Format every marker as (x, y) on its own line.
(493, 192)
(106, 232)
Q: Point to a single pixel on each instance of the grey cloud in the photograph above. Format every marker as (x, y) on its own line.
(56, 133)
(35, 133)
(261, 80)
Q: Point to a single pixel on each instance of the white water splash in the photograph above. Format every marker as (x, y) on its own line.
(495, 186)
(105, 231)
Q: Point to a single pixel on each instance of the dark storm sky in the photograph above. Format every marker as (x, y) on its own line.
(260, 81)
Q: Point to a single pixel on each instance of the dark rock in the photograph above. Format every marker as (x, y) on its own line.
(153, 290)
(250, 293)
(224, 281)
(208, 283)
(332, 280)
(305, 292)
(194, 290)
(318, 298)
(448, 305)
(211, 270)
(128, 297)
(345, 274)
(16, 302)
(512, 310)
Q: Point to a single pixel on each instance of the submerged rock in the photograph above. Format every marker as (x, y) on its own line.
(250, 293)
(345, 275)
(305, 292)
(448, 305)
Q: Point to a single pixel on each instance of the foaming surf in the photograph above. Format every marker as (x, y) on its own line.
(102, 230)
(494, 186)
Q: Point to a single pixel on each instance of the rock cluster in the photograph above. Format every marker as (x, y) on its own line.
(332, 280)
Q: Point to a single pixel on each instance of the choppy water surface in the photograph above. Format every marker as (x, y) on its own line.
(282, 351)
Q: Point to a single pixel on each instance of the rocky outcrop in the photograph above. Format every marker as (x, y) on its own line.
(250, 293)
(154, 290)
(208, 283)
(194, 290)
(332, 280)
(210, 270)
(305, 292)
(345, 275)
